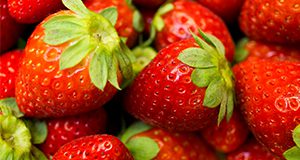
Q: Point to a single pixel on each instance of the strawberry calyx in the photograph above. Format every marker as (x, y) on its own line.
(294, 152)
(240, 52)
(211, 70)
(16, 138)
(137, 22)
(140, 147)
(158, 22)
(143, 56)
(92, 35)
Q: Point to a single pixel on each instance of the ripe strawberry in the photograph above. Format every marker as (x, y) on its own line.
(272, 21)
(32, 11)
(125, 25)
(98, 147)
(175, 20)
(228, 136)
(9, 65)
(252, 150)
(228, 11)
(66, 129)
(268, 92)
(160, 144)
(10, 30)
(68, 61)
(176, 91)
(250, 49)
(149, 3)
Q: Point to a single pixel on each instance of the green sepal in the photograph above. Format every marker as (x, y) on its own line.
(9, 106)
(38, 130)
(110, 14)
(134, 129)
(113, 75)
(202, 77)
(143, 56)
(76, 6)
(143, 148)
(230, 103)
(196, 57)
(37, 154)
(21, 43)
(240, 52)
(98, 68)
(125, 58)
(292, 153)
(296, 135)
(213, 41)
(203, 44)
(138, 22)
(75, 53)
(214, 93)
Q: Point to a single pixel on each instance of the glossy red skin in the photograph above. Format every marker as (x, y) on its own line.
(260, 50)
(100, 147)
(269, 92)
(252, 150)
(228, 136)
(187, 16)
(9, 65)
(66, 129)
(228, 10)
(42, 90)
(10, 30)
(163, 94)
(271, 21)
(175, 145)
(124, 25)
(32, 11)
(149, 3)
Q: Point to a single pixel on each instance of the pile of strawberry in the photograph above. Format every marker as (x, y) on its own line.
(150, 79)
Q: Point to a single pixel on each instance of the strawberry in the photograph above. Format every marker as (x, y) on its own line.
(271, 21)
(228, 11)
(9, 65)
(10, 30)
(68, 60)
(252, 150)
(251, 49)
(128, 23)
(268, 93)
(176, 91)
(228, 136)
(66, 129)
(149, 3)
(160, 144)
(93, 147)
(32, 11)
(174, 21)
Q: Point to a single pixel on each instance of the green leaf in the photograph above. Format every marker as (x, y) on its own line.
(203, 44)
(240, 52)
(196, 57)
(10, 106)
(222, 109)
(134, 129)
(214, 93)
(143, 148)
(202, 77)
(217, 43)
(77, 6)
(292, 153)
(37, 154)
(138, 22)
(151, 37)
(75, 53)
(38, 130)
(296, 135)
(124, 61)
(230, 104)
(110, 14)
(113, 71)
(98, 69)
(158, 23)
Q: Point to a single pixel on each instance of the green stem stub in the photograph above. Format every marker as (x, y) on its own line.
(92, 35)
(211, 70)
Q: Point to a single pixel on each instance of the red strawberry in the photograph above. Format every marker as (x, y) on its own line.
(228, 136)
(177, 90)
(10, 30)
(250, 49)
(126, 15)
(174, 22)
(163, 145)
(272, 21)
(252, 150)
(228, 10)
(149, 3)
(32, 11)
(68, 61)
(100, 147)
(9, 65)
(66, 129)
(268, 92)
